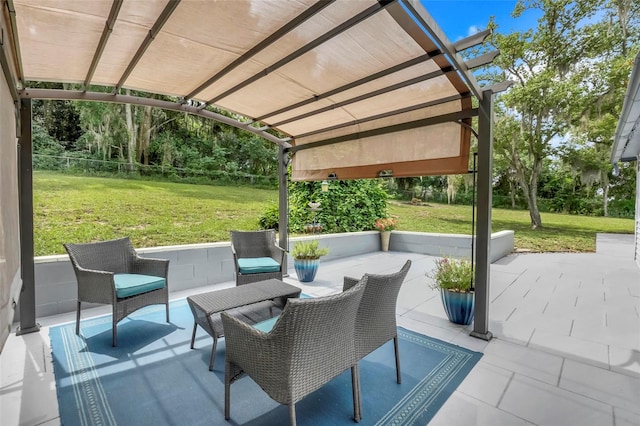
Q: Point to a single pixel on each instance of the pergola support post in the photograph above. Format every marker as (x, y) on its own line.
(483, 230)
(283, 203)
(28, 293)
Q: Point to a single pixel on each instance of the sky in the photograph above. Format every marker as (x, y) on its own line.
(461, 18)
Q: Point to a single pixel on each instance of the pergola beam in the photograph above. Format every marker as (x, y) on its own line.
(8, 74)
(445, 118)
(387, 114)
(365, 96)
(108, 28)
(306, 48)
(15, 42)
(499, 87)
(364, 80)
(288, 27)
(415, 8)
(157, 26)
(481, 60)
(471, 41)
(136, 100)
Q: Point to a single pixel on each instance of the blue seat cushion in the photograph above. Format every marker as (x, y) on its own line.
(257, 265)
(266, 325)
(133, 284)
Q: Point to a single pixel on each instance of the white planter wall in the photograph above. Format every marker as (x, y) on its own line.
(198, 265)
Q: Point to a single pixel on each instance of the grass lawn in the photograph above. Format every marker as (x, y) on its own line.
(560, 232)
(81, 209)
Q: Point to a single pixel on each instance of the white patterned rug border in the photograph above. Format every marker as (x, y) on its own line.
(423, 395)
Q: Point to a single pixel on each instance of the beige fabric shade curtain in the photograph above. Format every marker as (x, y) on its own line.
(352, 88)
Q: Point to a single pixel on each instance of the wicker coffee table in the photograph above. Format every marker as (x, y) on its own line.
(206, 307)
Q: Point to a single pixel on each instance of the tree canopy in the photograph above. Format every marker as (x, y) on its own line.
(569, 75)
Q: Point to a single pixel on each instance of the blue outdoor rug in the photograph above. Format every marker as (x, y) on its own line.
(153, 378)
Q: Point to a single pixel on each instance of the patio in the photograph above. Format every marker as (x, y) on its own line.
(566, 349)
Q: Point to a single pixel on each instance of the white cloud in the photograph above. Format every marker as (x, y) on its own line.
(473, 29)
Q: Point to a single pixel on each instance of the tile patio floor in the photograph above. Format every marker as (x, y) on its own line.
(566, 349)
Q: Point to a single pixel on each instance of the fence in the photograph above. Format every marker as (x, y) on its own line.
(94, 166)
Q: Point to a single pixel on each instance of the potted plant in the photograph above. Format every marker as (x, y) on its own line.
(454, 279)
(306, 257)
(385, 226)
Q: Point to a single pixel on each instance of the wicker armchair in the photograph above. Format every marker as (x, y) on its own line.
(376, 320)
(100, 271)
(311, 343)
(256, 248)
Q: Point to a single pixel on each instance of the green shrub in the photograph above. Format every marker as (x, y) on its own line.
(622, 208)
(347, 206)
(46, 150)
(269, 218)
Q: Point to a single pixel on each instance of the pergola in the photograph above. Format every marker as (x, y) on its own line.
(346, 89)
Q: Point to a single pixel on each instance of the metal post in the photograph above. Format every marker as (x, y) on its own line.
(473, 217)
(483, 230)
(283, 203)
(25, 183)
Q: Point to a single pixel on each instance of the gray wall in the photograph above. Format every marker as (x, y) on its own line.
(502, 243)
(198, 265)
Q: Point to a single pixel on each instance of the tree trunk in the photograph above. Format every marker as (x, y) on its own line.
(512, 194)
(532, 203)
(605, 193)
(534, 213)
(145, 136)
(131, 133)
(530, 189)
(623, 8)
(451, 189)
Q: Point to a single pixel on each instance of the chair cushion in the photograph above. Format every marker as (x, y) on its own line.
(257, 265)
(133, 284)
(266, 325)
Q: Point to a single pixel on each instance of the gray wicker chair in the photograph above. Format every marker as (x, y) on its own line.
(95, 265)
(311, 343)
(255, 245)
(376, 320)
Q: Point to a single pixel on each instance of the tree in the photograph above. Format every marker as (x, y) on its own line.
(603, 94)
(551, 71)
(104, 128)
(507, 147)
(60, 119)
(132, 134)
